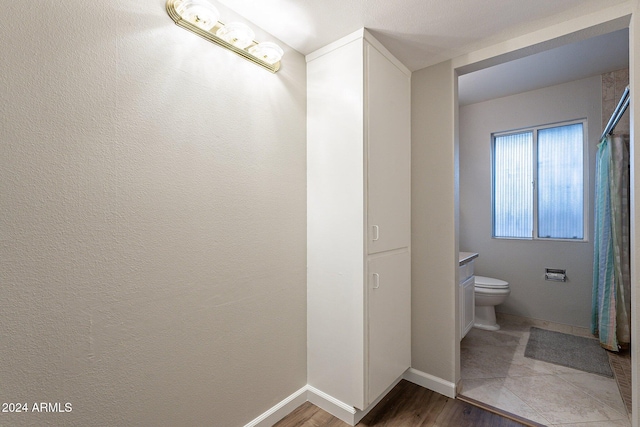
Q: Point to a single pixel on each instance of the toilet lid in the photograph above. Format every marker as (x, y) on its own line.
(490, 282)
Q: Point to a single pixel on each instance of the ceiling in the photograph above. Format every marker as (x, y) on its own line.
(586, 58)
(421, 33)
(418, 32)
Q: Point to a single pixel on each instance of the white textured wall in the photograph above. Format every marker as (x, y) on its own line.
(434, 229)
(634, 122)
(522, 262)
(152, 220)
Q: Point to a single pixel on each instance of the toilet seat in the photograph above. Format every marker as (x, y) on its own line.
(490, 283)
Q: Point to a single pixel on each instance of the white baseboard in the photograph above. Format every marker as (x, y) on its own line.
(341, 410)
(335, 407)
(432, 383)
(338, 409)
(280, 410)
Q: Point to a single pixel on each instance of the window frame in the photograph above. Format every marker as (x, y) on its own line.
(585, 180)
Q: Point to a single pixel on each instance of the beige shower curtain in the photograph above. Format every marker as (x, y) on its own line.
(619, 184)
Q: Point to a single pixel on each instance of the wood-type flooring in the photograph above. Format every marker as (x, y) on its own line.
(407, 405)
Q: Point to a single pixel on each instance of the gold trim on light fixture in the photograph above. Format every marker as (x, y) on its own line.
(172, 10)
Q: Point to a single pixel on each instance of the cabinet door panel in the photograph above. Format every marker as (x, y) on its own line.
(388, 153)
(389, 319)
(467, 305)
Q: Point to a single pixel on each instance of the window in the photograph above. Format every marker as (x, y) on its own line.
(538, 183)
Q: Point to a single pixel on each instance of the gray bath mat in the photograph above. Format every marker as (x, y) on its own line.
(584, 354)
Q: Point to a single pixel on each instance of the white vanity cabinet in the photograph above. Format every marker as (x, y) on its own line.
(467, 306)
(466, 292)
(358, 219)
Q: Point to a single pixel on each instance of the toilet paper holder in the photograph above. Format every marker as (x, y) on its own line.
(555, 274)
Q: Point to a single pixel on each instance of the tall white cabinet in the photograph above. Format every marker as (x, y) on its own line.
(358, 210)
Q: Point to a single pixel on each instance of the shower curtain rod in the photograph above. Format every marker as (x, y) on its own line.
(617, 113)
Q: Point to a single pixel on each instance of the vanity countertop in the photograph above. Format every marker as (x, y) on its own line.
(465, 257)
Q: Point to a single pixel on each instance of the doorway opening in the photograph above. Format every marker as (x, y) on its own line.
(582, 80)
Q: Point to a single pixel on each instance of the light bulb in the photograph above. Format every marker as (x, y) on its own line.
(200, 13)
(237, 34)
(267, 51)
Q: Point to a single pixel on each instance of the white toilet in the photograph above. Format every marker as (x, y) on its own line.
(489, 292)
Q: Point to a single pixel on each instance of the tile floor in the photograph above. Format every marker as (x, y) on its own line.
(621, 365)
(495, 371)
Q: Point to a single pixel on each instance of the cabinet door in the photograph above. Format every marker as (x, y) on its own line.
(388, 140)
(389, 320)
(467, 305)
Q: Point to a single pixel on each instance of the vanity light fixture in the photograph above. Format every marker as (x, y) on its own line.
(201, 17)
